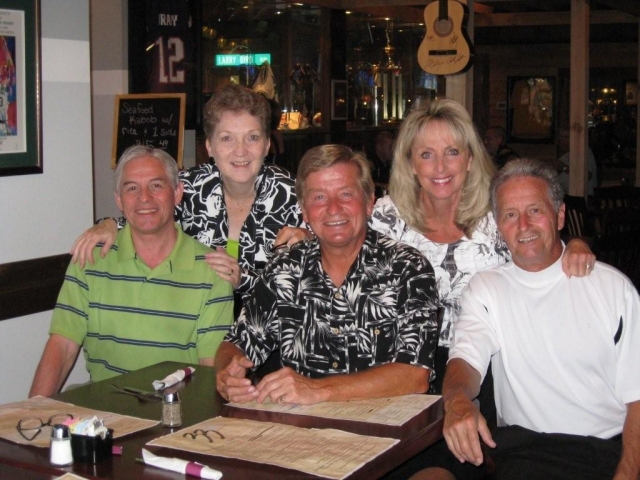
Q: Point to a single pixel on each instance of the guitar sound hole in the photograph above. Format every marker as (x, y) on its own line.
(443, 27)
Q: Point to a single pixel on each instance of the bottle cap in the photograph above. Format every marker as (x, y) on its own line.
(60, 431)
(171, 397)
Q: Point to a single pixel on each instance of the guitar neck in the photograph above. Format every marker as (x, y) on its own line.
(443, 9)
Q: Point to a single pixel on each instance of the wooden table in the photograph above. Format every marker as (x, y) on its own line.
(200, 401)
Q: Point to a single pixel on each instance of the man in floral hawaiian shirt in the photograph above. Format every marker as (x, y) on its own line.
(352, 312)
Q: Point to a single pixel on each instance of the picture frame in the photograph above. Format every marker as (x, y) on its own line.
(531, 109)
(339, 106)
(20, 88)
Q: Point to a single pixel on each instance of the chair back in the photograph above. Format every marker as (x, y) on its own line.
(622, 251)
(578, 221)
(618, 209)
(617, 196)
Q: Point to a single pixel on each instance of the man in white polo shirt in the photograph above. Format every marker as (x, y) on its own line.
(564, 352)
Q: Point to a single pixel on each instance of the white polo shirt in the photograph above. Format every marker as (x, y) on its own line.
(566, 351)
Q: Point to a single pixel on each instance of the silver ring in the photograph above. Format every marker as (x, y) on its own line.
(281, 399)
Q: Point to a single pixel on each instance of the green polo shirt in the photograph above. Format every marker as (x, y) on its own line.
(128, 316)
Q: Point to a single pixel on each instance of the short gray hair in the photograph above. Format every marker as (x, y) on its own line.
(137, 151)
(528, 167)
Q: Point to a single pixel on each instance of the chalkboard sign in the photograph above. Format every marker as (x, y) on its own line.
(155, 120)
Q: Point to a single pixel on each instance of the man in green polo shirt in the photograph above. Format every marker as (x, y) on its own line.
(152, 298)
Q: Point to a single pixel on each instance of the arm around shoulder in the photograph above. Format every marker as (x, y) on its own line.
(104, 232)
(57, 359)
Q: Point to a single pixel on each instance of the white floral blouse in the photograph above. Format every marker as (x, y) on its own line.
(453, 263)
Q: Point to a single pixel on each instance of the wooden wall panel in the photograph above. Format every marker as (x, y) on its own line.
(31, 286)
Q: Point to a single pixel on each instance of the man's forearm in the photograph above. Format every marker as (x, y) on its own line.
(629, 465)
(461, 379)
(56, 362)
(387, 380)
(118, 223)
(224, 355)
(207, 362)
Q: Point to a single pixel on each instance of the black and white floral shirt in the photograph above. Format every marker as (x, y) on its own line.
(385, 311)
(203, 215)
(454, 263)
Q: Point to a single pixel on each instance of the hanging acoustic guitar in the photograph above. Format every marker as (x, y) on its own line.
(446, 48)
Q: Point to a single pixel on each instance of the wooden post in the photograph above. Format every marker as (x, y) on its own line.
(578, 101)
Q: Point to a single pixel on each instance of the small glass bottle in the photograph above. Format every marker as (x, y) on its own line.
(60, 451)
(171, 410)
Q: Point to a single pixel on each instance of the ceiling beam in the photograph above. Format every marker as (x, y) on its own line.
(541, 19)
(353, 4)
(632, 7)
(364, 5)
(336, 4)
(625, 11)
(401, 14)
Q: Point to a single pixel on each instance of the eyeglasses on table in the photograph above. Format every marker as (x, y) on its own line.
(30, 427)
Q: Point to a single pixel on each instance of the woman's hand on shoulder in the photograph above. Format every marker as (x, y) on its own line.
(291, 235)
(578, 259)
(104, 232)
(226, 266)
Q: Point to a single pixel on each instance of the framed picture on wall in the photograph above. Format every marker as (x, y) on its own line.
(531, 109)
(20, 119)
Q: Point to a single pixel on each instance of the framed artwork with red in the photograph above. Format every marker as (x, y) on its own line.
(20, 109)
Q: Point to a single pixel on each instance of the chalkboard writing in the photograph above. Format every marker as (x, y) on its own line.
(155, 120)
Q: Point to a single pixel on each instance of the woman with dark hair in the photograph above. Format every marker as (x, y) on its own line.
(237, 204)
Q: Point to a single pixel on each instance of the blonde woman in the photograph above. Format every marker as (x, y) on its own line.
(438, 202)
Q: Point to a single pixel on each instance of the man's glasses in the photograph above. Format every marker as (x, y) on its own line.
(31, 427)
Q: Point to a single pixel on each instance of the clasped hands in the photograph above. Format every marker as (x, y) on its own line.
(282, 386)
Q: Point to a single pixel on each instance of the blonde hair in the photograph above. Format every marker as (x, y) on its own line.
(404, 188)
(325, 156)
